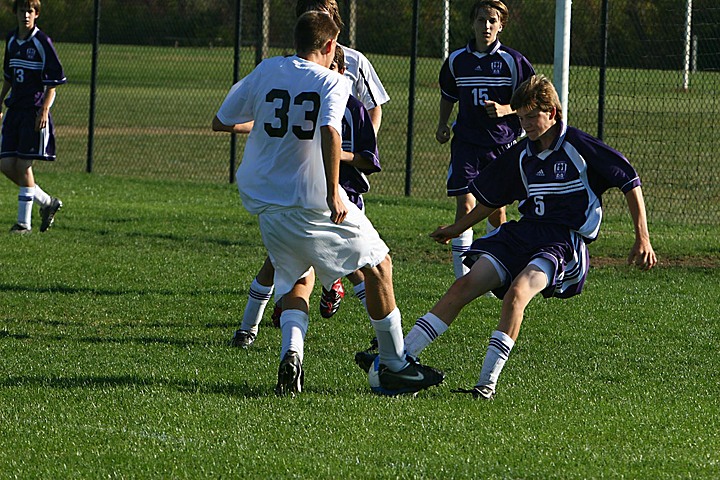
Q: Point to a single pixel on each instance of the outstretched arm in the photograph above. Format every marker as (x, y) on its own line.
(218, 126)
(642, 253)
(446, 233)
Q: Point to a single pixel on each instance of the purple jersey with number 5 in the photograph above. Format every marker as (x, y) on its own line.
(562, 185)
(469, 78)
(30, 66)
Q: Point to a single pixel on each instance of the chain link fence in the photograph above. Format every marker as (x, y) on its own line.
(164, 66)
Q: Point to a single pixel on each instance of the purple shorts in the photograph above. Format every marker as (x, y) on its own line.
(19, 138)
(515, 244)
(466, 162)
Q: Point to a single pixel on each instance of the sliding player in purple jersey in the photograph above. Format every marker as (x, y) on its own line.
(32, 70)
(480, 78)
(359, 157)
(557, 174)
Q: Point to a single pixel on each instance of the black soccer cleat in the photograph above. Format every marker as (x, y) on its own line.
(47, 214)
(242, 339)
(411, 379)
(366, 358)
(330, 299)
(482, 392)
(290, 375)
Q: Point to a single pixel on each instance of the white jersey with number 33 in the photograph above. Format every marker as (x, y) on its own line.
(289, 99)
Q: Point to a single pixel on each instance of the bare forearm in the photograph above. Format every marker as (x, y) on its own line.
(376, 117)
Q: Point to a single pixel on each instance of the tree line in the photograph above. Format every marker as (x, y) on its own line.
(642, 33)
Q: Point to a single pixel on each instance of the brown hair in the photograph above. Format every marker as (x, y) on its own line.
(34, 4)
(537, 92)
(502, 10)
(329, 6)
(339, 59)
(312, 31)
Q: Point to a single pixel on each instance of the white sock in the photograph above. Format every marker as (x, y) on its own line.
(41, 198)
(497, 353)
(294, 325)
(25, 203)
(258, 298)
(426, 329)
(390, 340)
(461, 245)
(359, 290)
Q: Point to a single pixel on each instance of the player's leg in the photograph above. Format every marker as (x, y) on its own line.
(261, 290)
(19, 171)
(357, 278)
(463, 204)
(531, 281)
(294, 324)
(482, 277)
(396, 373)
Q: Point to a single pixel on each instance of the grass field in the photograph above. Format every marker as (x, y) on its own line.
(114, 358)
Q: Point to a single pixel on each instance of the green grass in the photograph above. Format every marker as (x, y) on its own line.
(114, 326)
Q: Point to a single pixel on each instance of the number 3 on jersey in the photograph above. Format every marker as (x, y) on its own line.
(308, 101)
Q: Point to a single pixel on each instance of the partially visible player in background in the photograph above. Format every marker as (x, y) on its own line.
(558, 174)
(32, 70)
(289, 178)
(359, 158)
(366, 87)
(480, 78)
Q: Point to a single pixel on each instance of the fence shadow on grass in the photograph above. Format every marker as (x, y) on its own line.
(123, 381)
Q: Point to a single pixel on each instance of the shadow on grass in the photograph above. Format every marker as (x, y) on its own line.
(116, 292)
(102, 382)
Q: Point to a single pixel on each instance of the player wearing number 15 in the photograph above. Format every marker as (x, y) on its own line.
(480, 78)
(289, 178)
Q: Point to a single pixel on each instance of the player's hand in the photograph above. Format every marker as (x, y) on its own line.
(442, 135)
(496, 110)
(338, 210)
(40, 121)
(642, 255)
(444, 234)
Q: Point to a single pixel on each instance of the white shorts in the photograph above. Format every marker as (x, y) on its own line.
(297, 239)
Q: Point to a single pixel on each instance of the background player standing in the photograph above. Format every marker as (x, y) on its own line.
(480, 78)
(32, 70)
(289, 178)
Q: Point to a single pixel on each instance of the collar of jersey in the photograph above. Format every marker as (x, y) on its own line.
(492, 48)
(532, 151)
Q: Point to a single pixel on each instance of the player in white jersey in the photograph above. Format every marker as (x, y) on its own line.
(289, 177)
(366, 87)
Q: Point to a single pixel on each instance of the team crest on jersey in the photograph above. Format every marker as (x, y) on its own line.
(30, 53)
(496, 67)
(560, 170)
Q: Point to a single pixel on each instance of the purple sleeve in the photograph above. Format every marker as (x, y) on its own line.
(53, 73)
(365, 140)
(448, 86)
(500, 183)
(607, 168)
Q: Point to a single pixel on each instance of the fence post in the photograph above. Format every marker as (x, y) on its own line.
(411, 98)
(603, 68)
(236, 77)
(93, 88)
